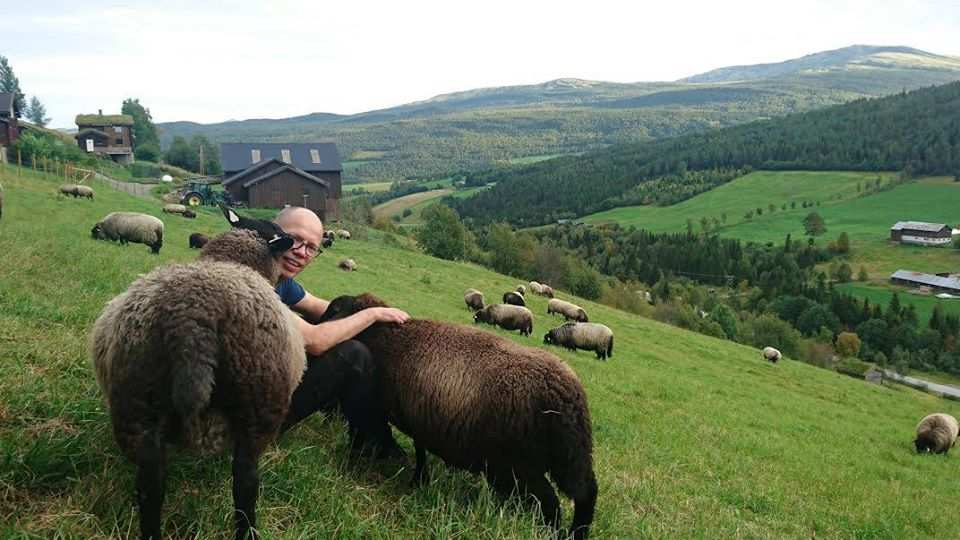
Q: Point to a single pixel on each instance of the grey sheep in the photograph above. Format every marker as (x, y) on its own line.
(347, 264)
(936, 433)
(568, 310)
(198, 240)
(130, 227)
(343, 233)
(514, 298)
(83, 191)
(587, 336)
(772, 355)
(547, 290)
(474, 299)
(507, 317)
(484, 404)
(68, 189)
(213, 373)
(174, 208)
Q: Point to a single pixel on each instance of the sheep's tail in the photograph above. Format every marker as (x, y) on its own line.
(193, 356)
(572, 462)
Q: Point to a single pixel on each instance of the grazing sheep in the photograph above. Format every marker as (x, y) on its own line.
(174, 208)
(771, 354)
(347, 264)
(507, 317)
(568, 310)
(83, 191)
(513, 298)
(198, 240)
(547, 290)
(521, 289)
(535, 287)
(130, 227)
(216, 372)
(587, 336)
(343, 233)
(68, 189)
(189, 213)
(484, 404)
(474, 299)
(936, 433)
(326, 242)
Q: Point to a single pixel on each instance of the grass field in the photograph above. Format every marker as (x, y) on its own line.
(694, 437)
(398, 205)
(878, 294)
(371, 187)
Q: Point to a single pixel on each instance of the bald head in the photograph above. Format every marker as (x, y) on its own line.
(305, 227)
(298, 215)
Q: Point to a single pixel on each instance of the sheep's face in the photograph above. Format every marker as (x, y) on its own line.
(924, 445)
(97, 232)
(549, 338)
(344, 306)
(582, 315)
(278, 240)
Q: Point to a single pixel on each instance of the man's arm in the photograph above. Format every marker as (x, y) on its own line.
(319, 338)
(311, 307)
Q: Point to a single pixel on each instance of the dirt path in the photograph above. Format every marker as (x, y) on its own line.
(133, 188)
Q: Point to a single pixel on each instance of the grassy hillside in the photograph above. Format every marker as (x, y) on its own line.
(695, 437)
(480, 128)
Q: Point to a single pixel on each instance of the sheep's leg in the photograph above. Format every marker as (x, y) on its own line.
(246, 485)
(151, 479)
(538, 486)
(421, 475)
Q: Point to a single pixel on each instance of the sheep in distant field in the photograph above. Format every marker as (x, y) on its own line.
(68, 189)
(188, 213)
(130, 227)
(514, 298)
(343, 233)
(484, 404)
(474, 299)
(326, 242)
(936, 433)
(507, 317)
(587, 336)
(772, 355)
(568, 310)
(211, 373)
(521, 289)
(198, 240)
(83, 191)
(347, 264)
(174, 208)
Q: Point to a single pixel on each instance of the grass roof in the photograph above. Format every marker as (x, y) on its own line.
(104, 120)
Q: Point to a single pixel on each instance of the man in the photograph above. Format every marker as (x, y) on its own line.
(340, 370)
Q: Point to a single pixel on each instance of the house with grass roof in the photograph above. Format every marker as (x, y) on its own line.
(109, 135)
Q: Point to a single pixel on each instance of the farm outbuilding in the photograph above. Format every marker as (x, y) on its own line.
(272, 175)
(9, 129)
(106, 134)
(922, 233)
(919, 279)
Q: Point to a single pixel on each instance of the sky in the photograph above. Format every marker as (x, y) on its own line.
(215, 61)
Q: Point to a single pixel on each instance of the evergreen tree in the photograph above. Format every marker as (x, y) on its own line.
(862, 275)
(37, 113)
(9, 83)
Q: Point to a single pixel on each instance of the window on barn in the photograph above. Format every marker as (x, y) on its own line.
(285, 155)
(117, 129)
(315, 155)
(254, 156)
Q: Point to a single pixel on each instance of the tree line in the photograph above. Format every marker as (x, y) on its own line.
(916, 132)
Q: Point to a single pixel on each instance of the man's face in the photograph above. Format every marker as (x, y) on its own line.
(307, 233)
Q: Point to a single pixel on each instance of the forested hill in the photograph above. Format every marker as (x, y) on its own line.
(918, 132)
(502, 126)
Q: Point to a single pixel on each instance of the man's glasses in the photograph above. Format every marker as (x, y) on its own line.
(310, 249)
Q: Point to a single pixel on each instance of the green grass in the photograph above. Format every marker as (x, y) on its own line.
(878, 294)
(398, 205)
(694, 437)
(757, 189)
(373, 187)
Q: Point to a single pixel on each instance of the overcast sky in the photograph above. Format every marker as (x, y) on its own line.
(278, 59)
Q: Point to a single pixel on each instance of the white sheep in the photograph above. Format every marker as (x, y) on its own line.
(568, 310)
(771, 354)
(587, 336)
(130, 227)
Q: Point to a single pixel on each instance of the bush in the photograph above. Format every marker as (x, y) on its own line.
(140, 169)
(853, 367)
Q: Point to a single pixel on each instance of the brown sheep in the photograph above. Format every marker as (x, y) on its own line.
(507, 317)
(474, 299)
(487, 405)
(936, 433)
(568, 310)
(198, 240)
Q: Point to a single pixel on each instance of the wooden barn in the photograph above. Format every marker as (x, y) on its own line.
(273, 175)
(106, 134)
(9, 129)
(921, 233)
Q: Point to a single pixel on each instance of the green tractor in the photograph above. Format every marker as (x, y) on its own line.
(202, 194)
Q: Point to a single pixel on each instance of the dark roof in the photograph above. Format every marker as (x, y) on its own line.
(252, 171)
(104, 120)
(6, 102)
(927, 279)
(238, 156)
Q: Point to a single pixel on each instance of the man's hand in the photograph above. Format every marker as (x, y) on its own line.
(389, 315)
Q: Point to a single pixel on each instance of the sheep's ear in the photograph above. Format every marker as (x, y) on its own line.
(280, 244)
(231, 216)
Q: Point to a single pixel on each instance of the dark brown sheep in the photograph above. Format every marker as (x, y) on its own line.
(198, 240)
(936, 433)
(514, 298)
(487, 405)
(199, 374)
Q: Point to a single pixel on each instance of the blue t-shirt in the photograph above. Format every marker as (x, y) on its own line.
(290, 291)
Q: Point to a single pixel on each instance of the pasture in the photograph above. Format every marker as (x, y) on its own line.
(694, 437)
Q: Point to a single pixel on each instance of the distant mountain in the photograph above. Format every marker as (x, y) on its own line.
(837, 62)
(496, 127)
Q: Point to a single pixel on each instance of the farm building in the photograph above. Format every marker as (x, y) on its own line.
(918, 279)
(106, 134)
(922, 233)
(272, 175)
(9, 129)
